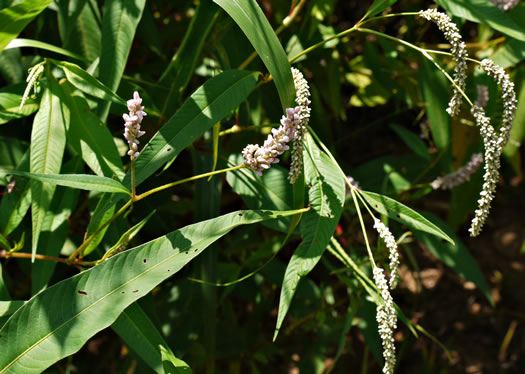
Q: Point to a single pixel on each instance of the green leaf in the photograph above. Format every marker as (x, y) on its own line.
(4, 243)
(55, 228)
(209, 104)
(4, 294)
(14, 19)
(11, 66)
(512, 52)
(14, 206)
(403, 214)
(140, 334)
(378, 6)
(103, 213)
(10, 107)
(172, 364)
(455, 256)
(9, 307)
(435, 93)
(326, 196)
(124, 240)
(48, 141)
(182, 65)
(413, 141)
(271, 191)
(483, 11)
(250, 18)
(89, 136)
(79, 26)
(20, 43)
(121, 18)
(86, 182)
(86, 83)
(59, 320)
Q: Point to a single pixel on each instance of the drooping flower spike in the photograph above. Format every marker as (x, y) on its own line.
(259, 158)
(391, 244)
(387, 320)
(460, 176)
(459, 52)
(132, 125)
(293, 127)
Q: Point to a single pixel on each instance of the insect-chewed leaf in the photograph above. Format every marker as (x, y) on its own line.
(66, 315)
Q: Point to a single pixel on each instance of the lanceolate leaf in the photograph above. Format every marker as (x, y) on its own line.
(172, 364)
(48, 140)
(14, 206)
(138, 331)
(326, 196)
(86, 182)
(66, 315)
(19, 43)
(55, 228)
(253, 22)
(271, 191)
(121, 18)
(182, 65)
(401, 213)
(484, 11)
(90, 137)
(14, 19)
(86, 83)
(210, 103)
(10, 107)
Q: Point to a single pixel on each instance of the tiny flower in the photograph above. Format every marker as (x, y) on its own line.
(460, 176)
(459, 53)
(391, 244)
(132, 124)
(259, 158)
(353, 182)
(387, 320)
(302, 99)
(492, 144)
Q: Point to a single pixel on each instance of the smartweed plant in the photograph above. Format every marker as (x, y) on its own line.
(126, 233)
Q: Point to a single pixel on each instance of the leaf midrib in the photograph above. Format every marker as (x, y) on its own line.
(147, 271)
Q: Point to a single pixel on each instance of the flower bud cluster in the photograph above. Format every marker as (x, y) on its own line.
(505, 5)
(32, 82)
(460, 176)
(132, 126)
(459, 53)
(387, 320)
(391, 244)
(303, 102)
(259, 158)
(492, 144)
(508, 97)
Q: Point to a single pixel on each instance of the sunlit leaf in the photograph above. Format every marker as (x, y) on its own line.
(64, 316)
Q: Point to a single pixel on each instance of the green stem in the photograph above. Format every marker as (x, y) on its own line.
(286, 22)
(236, 128)
(79, 251)
(195, 177)
(315, 46)
(423, 51)
(363, 21)
(133, 188)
